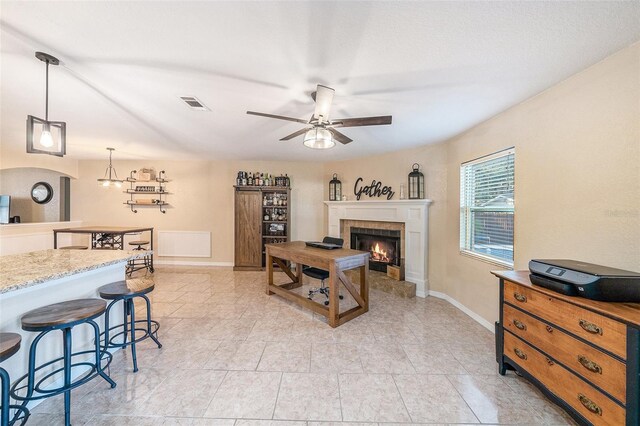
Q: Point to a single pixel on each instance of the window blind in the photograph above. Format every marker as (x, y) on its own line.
(487, 207)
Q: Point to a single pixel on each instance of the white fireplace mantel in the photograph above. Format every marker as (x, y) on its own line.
(415, 216)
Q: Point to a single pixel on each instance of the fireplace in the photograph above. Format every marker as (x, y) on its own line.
(383, 244)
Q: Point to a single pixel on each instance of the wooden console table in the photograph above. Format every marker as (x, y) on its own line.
(336, 262)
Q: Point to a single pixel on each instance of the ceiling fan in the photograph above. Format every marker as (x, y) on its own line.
(322, 133)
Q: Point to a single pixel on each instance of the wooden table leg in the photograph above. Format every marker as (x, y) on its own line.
(299, 268)
(55, 239)
(334, 292)
(364, 284)
(269, 262)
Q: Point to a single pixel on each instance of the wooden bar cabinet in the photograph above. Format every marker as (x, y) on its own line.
(262, 216)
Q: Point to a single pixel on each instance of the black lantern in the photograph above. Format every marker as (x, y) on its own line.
(335, 189)
(44, 136)
(416, 183)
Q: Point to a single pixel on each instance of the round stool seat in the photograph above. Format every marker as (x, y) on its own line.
(9, 345)
(138, 243)
(63, 313)
(73, 248)
(129, 288)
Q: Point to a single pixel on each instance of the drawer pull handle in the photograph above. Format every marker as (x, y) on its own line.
(590, 405)
(590, 327)
(520, 354)
(520, 297)
(589, 365)
(519, 325)
(549, 329)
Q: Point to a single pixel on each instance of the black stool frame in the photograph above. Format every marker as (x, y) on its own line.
(96, 368)
(129, 327)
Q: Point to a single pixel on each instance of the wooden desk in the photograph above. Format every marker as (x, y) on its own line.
(336, 262)
(106, 236)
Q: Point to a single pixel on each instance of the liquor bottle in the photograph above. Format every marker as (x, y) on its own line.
(250, 180)
(287, 180)
(259, 180)
(239, 179)
(267, 181)
(244, 178)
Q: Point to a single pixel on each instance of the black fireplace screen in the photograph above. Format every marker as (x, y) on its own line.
(384, 246)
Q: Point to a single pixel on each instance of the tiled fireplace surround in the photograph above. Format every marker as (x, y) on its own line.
(410, 217)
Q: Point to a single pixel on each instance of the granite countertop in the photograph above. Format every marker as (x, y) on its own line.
(23, 270)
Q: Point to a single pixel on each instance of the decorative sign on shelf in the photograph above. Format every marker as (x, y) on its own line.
(374, 190)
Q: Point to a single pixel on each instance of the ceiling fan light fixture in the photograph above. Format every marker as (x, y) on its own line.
(318, 138)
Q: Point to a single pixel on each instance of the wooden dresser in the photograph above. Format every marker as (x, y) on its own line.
(583, 354)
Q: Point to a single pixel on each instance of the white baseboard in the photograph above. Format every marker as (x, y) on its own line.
(190, 263)
(483, 322)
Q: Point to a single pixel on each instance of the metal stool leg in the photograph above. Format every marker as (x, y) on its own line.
(132, 316)
(155, 338)
(99, 353)
(67, 375)
(4, 407)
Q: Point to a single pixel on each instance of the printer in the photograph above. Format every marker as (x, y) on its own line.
(575, 278)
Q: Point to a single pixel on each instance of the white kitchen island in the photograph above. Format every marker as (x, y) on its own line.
(32, 280)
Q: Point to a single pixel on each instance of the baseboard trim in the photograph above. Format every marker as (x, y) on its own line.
(190, 263)
(477, 318)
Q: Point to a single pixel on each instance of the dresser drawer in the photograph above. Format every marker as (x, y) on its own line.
(597, 367)
(584, 398)
(604, 332)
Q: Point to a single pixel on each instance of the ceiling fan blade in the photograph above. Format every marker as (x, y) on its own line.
(323, 98)
(294, 134)
(279, 117)
(343, 139)
(362, 121)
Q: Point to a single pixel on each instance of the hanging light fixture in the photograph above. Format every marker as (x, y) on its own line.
(44, 136)
(318, 138)
(110, 176)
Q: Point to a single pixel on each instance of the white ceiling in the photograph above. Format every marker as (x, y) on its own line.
(438, 67)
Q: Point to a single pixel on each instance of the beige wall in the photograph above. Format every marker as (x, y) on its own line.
(201, 199)
(577, 177)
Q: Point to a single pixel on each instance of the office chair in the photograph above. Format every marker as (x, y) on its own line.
(321, 274)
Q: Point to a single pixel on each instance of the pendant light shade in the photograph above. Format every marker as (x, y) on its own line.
(44, 136)
(110, 176)
(318, 138)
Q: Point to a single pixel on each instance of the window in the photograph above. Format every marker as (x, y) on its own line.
(487, 207)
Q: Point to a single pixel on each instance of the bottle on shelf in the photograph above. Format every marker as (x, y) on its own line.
(244, 178)
(250, 180)
(239, 179)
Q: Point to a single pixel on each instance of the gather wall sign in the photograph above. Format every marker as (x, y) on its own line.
(376, 189)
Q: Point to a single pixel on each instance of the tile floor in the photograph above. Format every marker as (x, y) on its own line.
(233, 356)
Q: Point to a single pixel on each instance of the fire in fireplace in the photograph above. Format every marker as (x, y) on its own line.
(384, 246)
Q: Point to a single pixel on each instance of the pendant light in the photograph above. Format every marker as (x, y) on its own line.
(44, 136)
(110, 176)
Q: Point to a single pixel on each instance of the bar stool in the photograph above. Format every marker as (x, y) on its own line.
(62, 316)
(126, 291)
(73, 248)
(138, 264)
(9, 345)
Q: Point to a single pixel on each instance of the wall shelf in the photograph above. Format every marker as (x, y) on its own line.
(156, 186)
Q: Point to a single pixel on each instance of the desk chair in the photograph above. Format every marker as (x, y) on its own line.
(321, 274)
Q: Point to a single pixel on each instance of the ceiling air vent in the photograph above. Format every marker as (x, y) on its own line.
(194, 103)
